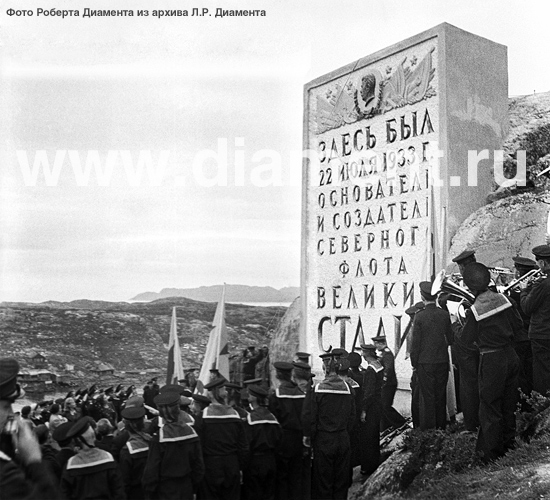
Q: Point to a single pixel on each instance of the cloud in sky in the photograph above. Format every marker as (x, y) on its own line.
(181, 84)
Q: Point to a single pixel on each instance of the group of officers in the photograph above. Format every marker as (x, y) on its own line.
(499, 348)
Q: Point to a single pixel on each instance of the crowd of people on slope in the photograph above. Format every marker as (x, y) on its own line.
(239, 441)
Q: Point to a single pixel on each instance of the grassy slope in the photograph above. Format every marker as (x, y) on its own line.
(523, 473)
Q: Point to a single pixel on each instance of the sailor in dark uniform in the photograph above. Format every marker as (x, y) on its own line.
(175, 467)
(133, 455)
(491, 323)
(286, 404)
(371, 409)
(390, 416)
(332, 418)
(432, 336)
(522, 343)
(225, 447)
(466, 357)
(92, 473)
(263, 433)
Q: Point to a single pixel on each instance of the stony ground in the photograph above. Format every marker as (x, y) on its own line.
(127, 336)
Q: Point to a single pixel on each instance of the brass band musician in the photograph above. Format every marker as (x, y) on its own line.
(522, 344)
(535, 302)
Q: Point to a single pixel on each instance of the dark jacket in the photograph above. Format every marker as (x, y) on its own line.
(33, 482)
(535, 302)
(92, 474)
(495, 326)
(388, 362)
(174, 453)
(333, 406)
(431, 336)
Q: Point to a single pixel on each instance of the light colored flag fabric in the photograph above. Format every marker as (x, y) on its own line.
(175, 368)
(217, 349)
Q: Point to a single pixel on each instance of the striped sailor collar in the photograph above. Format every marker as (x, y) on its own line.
(289, 390)
(89, 458)
(488, 304)
(375, 365)
(173, 432)
(261, 416)
(218, 411)
(333, 385)
(136, 444)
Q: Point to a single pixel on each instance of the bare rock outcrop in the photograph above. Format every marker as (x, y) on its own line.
(286, 337)
(392, 477)
(506, 228)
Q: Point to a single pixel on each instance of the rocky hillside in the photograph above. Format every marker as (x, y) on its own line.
(529, 131)
(129, 337)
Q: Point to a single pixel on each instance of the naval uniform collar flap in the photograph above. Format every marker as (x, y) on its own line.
(333, 385)
(375, 365)
(172, 432)
(4, 457)
(289, 390)
(186, 418)
(220, 412)
(261, 416)
(137, 444)
(352, 383)
(488, 304)
(94, 457)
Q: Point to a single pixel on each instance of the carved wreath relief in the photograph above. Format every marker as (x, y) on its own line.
(372, 93)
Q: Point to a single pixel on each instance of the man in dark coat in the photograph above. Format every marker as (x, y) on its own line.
(332, 418)
(29, 479)
(91, 473)
(263, 434)
(535, 302)
(286, 403)
(371, 410)
(522, 343)
(431, 338)
(174, 467)
(224, 445)
(390, 416)
(491, 323)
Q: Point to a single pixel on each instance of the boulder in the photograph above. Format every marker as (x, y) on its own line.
(392, 477)
(506, 228)
(286, 338)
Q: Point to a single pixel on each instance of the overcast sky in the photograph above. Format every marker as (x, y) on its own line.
(175, 88)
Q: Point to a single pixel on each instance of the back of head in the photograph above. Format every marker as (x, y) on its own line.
(476, 276)
(104, 427)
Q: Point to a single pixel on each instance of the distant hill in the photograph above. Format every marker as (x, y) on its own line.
(233, 293)
(85, 333)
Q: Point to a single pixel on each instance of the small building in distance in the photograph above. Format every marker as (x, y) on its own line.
(38, 360)
(103, 369)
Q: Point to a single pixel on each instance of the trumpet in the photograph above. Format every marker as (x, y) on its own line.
(529, 278)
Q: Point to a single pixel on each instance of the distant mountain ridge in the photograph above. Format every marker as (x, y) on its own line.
(233, 293)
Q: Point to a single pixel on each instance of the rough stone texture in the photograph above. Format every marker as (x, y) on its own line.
(285, 340)
(390, 478)
(506, 228)
(526, 112)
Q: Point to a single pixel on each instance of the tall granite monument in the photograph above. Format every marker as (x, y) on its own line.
(393, 133)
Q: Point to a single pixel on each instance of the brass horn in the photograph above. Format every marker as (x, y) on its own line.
(532, 275)
(442, 283)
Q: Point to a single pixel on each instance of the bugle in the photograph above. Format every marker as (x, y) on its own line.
(530, 277)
